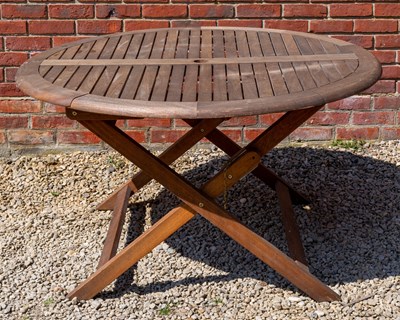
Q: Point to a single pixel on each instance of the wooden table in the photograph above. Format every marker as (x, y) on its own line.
(204, 76)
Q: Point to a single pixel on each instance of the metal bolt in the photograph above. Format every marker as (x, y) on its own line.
(201, 204)
(230, 176)
(74, 113)
(201, 130)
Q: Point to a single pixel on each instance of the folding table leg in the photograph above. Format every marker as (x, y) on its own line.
(114, 231)
(201, 201)
(290, 224)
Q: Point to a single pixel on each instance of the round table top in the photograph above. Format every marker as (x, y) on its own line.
(205, 72)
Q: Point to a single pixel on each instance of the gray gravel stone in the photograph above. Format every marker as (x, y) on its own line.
(51, 238)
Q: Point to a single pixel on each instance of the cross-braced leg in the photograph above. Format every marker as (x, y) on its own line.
(201, 201)
(200, 130)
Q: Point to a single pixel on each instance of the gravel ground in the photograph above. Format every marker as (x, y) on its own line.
(51, 238)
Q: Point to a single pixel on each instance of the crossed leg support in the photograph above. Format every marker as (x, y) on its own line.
(201, 201)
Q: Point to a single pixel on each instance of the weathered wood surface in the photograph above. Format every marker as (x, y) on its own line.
(199, 73)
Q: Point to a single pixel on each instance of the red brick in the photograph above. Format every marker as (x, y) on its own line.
(132, 25)
(19, 106)
(137, 135)
(30, 137)
(10, 90)
(164, 11)
(58, 41)
(385, 56)
(387, 10)
(381, 86)
(1, 75)
(350, 10)
(33, 11)
(77, 137)
(329, 118)
(12, 58)
(312, 134)
(376, 117)
(240, 121)
(66, 11)
(149, 123)
(51, 27)
(251, 23)
(118, 11)
(165, 136)
(1, 44)
(351, 103)
(375, 25)
(387, 41)
(251, 133)
(359, 40)
(296, 25)
(391, 72)
(28, 43)
(47, 122)
(233, 134)
(258, 11)
(270, 118)
(328, 26)
(10, 74)
(211, 11)
(387, 102)
(193, 23)
(390, 133)
(3, 137)
(9, 122)
(99, 26)
(304, 10)
(370, 133)
(12, 27)
(52, 108)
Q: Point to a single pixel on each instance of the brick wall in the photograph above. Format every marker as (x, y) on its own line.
(27, 27)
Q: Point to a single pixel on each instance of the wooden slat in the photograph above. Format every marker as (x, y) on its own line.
(189, 91)
(290, 76)
(178, 71)
(94, 74)
(301, 69)
(205, 73)
(135, 76)
(246, 69)
(161, 84)
(123, 72)
(314, 67)
(341, 66)
(232, 70)
(219, 74)
(150, 73)
(262, 79)
(196, 61)
(327, 66)
(274, 72)
(109, 72)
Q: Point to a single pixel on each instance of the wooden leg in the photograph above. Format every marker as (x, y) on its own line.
(199, 131)
(114, 231)
(290, 224)
(128, 256)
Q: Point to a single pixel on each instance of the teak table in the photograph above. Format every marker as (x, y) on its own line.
(204, 76)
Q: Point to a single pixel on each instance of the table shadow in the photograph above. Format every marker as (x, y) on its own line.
(351, 232)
